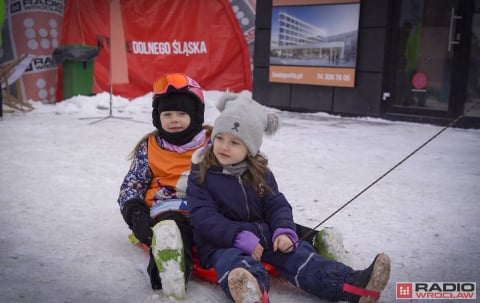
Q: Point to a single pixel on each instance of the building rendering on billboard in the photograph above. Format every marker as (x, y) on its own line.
(314, 42)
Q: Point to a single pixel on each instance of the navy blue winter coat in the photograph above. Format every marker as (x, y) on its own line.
(223, 206)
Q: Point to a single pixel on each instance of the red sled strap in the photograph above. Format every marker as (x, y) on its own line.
(265, 296)
(363, 292)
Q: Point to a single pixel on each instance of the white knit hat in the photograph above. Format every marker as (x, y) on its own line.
(246, 119)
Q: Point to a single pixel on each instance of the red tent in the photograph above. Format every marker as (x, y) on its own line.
(200, 38)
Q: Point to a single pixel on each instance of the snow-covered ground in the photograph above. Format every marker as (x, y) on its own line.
(63, 238)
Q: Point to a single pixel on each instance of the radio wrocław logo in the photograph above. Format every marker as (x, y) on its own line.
(437, 290)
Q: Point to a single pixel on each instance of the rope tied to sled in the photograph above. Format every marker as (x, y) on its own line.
(449, 125)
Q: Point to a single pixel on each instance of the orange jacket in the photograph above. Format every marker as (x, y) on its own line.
(170, 171)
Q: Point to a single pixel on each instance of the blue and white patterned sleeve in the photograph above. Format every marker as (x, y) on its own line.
(136, 181)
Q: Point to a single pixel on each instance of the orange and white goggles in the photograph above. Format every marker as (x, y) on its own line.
(178, 81)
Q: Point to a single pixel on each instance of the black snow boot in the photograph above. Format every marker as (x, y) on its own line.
(365, 286)
(152, 271)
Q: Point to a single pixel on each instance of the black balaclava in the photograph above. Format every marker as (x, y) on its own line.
(179, 100)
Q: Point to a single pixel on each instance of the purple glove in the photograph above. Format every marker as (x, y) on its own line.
(246, 241)
(288, 232)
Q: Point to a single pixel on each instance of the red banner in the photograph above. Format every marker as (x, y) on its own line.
(199, 38)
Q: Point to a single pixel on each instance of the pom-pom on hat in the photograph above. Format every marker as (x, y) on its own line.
(246, 119)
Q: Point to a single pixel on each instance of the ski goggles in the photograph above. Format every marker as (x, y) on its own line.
(178, 81)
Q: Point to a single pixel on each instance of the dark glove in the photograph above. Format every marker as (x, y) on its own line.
(137, 215)
(141, 227)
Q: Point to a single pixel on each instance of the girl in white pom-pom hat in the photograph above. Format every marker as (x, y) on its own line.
(241, 219)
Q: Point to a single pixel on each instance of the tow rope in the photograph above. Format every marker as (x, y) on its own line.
(451, 124)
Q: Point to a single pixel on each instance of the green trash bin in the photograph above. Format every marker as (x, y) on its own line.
(77, 68)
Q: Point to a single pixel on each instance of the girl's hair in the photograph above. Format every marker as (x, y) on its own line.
(257, 168)
(132, 154)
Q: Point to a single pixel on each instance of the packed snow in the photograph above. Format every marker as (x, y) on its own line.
(63, 238)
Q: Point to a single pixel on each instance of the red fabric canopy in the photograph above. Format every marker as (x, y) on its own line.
(199, 38)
